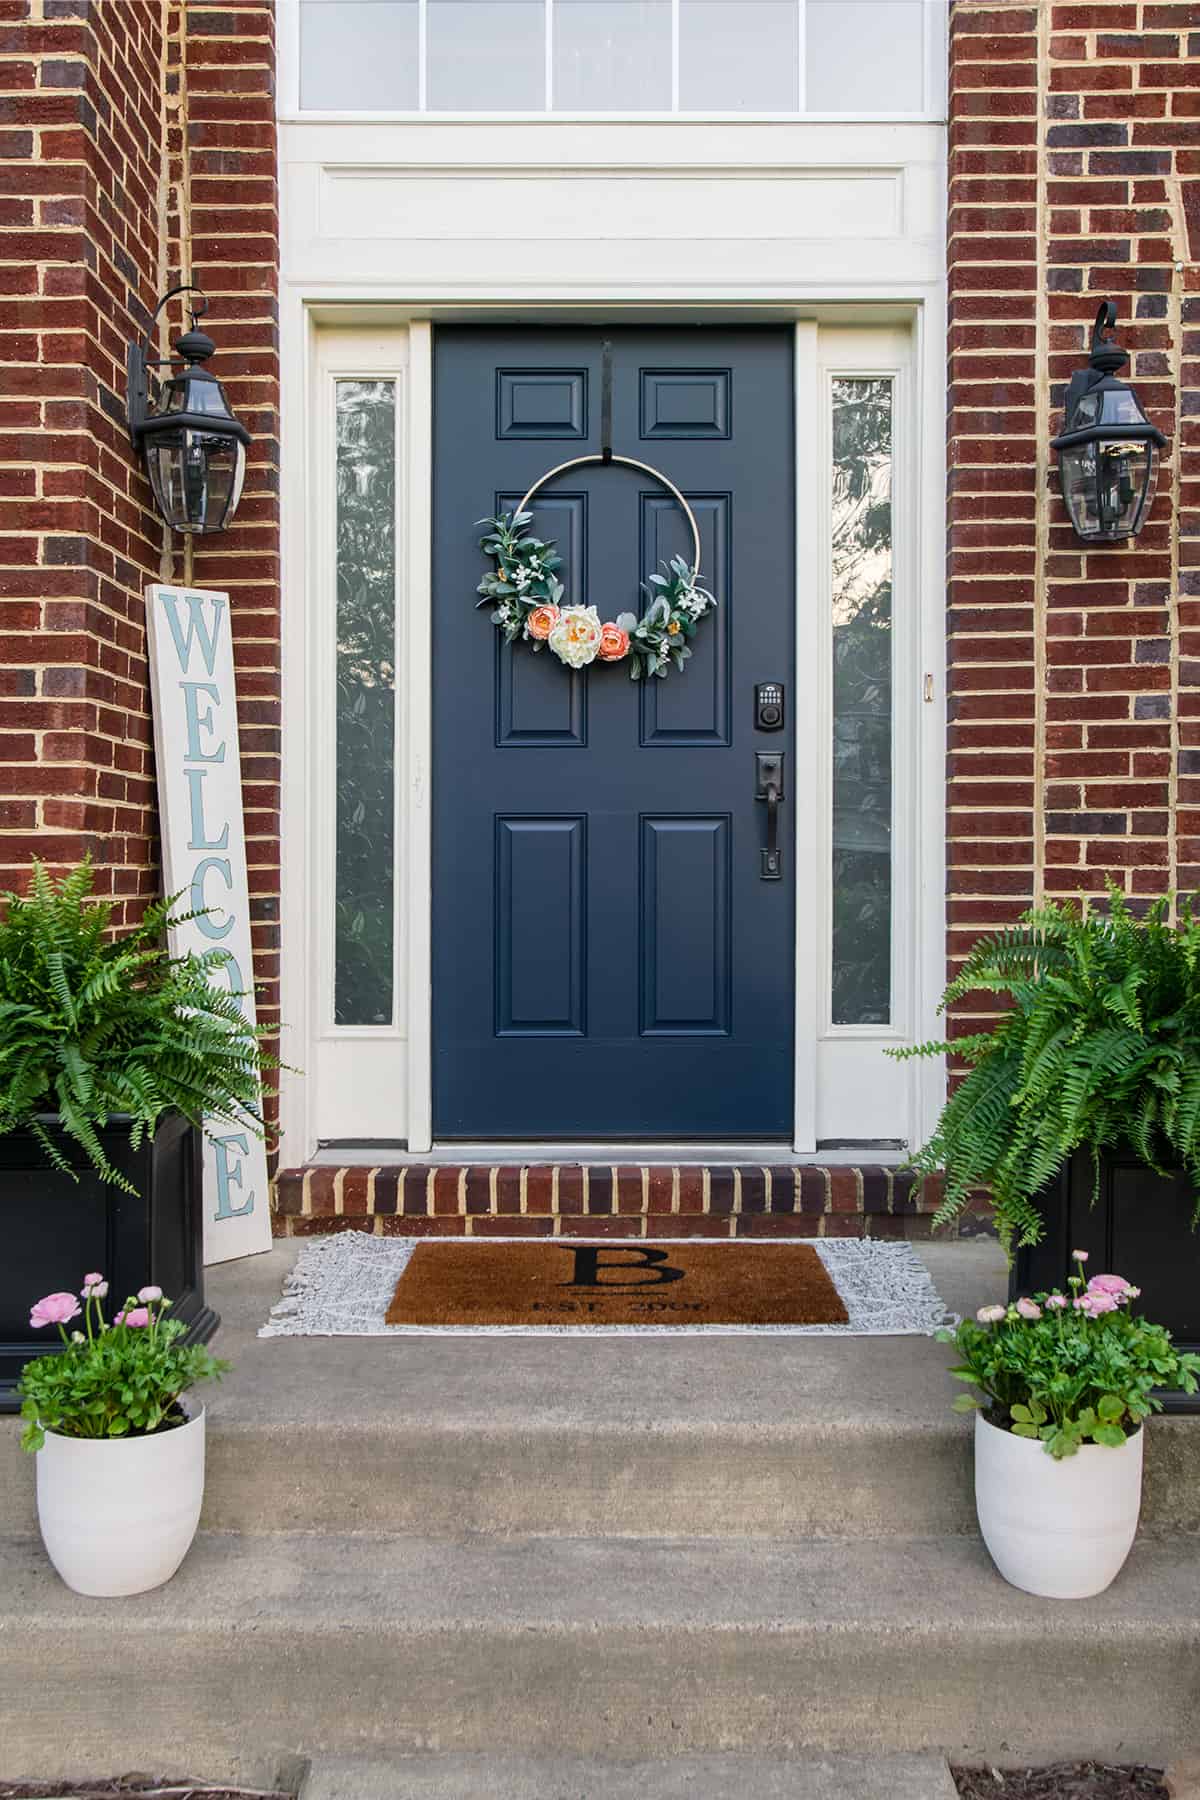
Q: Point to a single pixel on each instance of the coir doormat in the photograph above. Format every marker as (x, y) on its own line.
(356, 1285)
(493, 1283)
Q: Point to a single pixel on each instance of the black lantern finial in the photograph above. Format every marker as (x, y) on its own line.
(1107, 449)
(194, 447)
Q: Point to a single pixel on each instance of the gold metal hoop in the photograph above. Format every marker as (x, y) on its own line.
(629, 462)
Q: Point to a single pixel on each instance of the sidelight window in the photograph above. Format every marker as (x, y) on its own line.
(861, 589)
(850, 58)
(364, 812)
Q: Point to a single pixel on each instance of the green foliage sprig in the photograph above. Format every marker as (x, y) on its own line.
(1099, 1049)
(1069, 1369)
(95, 1024)
(111, 1381)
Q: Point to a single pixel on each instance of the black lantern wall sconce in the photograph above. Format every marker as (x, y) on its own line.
(193, 446)
(1107, 449)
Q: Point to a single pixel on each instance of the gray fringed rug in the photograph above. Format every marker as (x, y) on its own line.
(342, 1286)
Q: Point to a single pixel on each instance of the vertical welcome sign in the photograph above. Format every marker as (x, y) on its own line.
(190, 642)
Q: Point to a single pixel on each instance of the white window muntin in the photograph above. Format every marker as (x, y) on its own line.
(931, 52)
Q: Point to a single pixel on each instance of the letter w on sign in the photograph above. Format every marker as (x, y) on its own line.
(190, 644)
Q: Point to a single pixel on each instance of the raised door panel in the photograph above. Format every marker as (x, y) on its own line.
(694, 710)
(539, 704)
(686, 927)
(541, 927)
(686, 403)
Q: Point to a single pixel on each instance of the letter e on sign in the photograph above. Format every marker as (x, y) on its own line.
(190, 646)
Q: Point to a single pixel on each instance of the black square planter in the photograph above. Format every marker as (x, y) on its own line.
(1139, 1227)
(55, 1230)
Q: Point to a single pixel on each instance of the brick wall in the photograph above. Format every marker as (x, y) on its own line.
(1074, 680)
(137, 149)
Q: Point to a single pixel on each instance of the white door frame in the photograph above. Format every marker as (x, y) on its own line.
(923, 310)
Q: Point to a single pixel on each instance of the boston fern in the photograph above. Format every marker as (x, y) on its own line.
(1099, 1049)
(94, 1025)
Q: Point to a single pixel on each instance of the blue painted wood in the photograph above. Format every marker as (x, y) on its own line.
(607, 962)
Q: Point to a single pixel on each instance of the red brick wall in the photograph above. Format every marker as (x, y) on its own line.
(137, 149)
(1074, 680)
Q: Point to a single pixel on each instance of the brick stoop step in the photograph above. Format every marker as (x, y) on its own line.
(614, 1200)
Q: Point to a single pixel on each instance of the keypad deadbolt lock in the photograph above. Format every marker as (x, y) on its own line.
(768, 706)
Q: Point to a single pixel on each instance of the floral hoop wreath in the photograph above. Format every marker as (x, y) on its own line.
(527, 594)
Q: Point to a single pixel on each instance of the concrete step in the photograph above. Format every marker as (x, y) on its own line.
(807, 1776)
(741, 1437)
(594, 1648)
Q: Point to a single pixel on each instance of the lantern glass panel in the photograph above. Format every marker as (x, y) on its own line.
(196, 476)
(194, 393)
(1108, 485)
(1121, 408)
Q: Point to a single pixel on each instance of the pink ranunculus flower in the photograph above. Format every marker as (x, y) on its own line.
(990, 1315)
(541, 621)
(1028, 1309)
(54, 1309)
(1056, 1300)
(1095, 1304)
(136, 1315)
(614, 643)
(150, 1293)
(91, 1280)
(1108, 1284)
(95, 1290)
(1080, 1256)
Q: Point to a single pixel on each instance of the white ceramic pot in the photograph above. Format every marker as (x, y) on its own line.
(118, 1514)
(1061, 1529)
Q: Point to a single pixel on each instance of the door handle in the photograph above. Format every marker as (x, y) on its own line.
(768, 786)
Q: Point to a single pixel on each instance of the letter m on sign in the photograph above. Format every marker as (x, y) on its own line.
(194, 701)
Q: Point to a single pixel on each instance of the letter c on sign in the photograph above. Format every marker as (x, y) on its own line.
(197, 900)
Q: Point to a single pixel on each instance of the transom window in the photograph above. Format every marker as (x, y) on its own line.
(790, 57)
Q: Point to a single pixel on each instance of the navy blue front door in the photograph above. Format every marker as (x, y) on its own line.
(607, 960)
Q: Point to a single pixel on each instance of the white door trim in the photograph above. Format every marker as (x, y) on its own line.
(806, 753)
(926, 795)
(417, 688)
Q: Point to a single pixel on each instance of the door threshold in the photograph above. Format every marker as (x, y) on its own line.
(886, 1153)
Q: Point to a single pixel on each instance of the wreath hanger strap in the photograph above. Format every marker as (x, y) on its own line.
(606, 401)
(607, 456)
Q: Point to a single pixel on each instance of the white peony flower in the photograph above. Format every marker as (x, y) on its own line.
(575, 638)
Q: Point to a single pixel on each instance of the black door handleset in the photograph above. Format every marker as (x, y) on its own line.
(768, 786)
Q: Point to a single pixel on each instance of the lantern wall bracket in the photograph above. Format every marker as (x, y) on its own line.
(194, 346)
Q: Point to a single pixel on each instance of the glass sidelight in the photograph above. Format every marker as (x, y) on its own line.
(364, 909)
(862, 700)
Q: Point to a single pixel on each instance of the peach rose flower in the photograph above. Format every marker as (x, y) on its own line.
(614, 643)
(541, 621)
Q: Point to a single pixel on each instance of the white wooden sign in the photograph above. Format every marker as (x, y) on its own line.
(190, 643)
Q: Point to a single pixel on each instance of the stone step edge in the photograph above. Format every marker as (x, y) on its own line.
(614, 1200)
(805, 1775)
